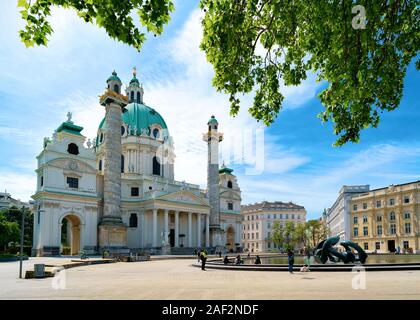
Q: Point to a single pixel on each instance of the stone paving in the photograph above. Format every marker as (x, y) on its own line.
(176, 279)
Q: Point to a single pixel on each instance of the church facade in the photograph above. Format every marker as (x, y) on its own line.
(118, 192)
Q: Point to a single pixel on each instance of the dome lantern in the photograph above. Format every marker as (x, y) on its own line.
(135, 89)
(114, 83)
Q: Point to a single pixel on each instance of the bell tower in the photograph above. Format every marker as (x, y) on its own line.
(213, 138)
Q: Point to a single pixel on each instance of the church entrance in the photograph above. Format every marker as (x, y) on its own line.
(230, 238)
(70, 235)
(172, 237)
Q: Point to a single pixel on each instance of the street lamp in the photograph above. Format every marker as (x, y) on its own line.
(22, 231)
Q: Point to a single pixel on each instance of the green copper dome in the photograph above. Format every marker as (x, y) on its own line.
(142, 117)
(113, 77)
(212, 120)
(134, 82)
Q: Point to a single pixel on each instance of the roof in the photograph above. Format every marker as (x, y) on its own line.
(113, 77)
(276, 205)
(225, 169)
(140, 116)
(70, 127)
(212, 120)
(134, 82)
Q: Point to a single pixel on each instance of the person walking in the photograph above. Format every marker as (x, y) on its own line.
(290, 259)
(308, 258)
(203, 257)
(257, 260)
(199, 255)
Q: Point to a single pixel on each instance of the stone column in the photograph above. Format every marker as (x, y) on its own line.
(176, 229)
(166, 224)
(207, 231)
(198, 230)
(154, 229)
(189, 229)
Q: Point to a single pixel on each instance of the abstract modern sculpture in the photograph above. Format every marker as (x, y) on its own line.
(325, 251)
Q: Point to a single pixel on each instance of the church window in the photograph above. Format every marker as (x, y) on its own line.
(73, 182)
(132, 96)
(122, 130)
(156, 133)
(42, 181)
(122, 163)
(135, 191)
(133, 220)
(39, 215)
(229, 184)
(100, 165)
(156, 166)
(116, 88)
(138, 97)
(73, 149)
(101, 138)
(230, 206)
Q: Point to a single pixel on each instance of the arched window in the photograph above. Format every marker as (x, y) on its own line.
(138, 97)
(116, 88)
(156, 166)
(100, 165)
(133, 220)
(122, 163)
(156, 133)
(101, 138)
(122, 130)
(132, 96)
(73, 149)
(229, 184)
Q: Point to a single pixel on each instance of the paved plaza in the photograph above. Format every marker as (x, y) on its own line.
(177, 279)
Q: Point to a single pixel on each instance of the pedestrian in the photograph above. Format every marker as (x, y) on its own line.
(290, 259)
(220, 254)
(199, 255)
(203, 257)
(249, 255)
(257, 260)
(308, 257)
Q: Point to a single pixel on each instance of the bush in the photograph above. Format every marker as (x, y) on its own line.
(27, 250)
(66, 251)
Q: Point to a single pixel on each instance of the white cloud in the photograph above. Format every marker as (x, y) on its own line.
(19, 185)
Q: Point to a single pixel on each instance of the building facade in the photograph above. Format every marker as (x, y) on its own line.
(259, 218)
(118, 192)
(337, 217)
(387, 219)
(7, 201)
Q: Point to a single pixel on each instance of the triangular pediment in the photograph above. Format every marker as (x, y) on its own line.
(184, 196)
(230, 194)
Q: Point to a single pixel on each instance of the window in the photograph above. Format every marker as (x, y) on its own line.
(355, 207)
(287, 216)
(392, 216)
(365, 231)
(406, 215)
(156, 166)
(355, 232)
(391, 201)
(230, 206)
(101, 137)
(377, 245)
(42, 181)
(379, 230)
(138, 97)
(378, 203)
(406, 199)
(133, 220)
(393, 229)
(364, 205)
(275, 216)
(379, 218)
(408, 227)
(406, 244)
(100, 165)
(135, 191)
(355, 220)
(73, 182)
(268, 225)
(116, 88)
(252, 236)
(252, 226)
(122, 163)
(256, 225)
(268, 245)
(365, 219)
(366, 246)
(39, 214)
(248, 236)
(72, 148)
(281, 216)
(229, 184)
(122, 130)
(268, 217)
(293, 216)
(257, 235)
(156, 133)
(132, 95)
(268, 235)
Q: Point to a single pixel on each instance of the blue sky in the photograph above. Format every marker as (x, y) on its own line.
(38, 86)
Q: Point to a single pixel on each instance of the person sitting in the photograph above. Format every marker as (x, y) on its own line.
(257, 260)
(239, 260)
(226, 260)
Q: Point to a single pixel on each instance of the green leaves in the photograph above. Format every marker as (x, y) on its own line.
(253, 45)
(112, 15)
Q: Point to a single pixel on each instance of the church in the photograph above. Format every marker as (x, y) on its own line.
(118, 192)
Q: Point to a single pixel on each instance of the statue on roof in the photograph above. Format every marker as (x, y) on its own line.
(69, 116)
